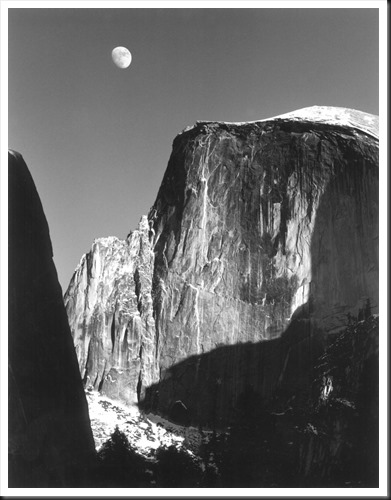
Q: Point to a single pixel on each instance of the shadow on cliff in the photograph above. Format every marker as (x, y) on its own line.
(203, 389)
(50, 439)
(280, 374)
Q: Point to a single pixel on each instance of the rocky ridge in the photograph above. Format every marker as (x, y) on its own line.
(115, 314)
(331, 115)
(260, 231)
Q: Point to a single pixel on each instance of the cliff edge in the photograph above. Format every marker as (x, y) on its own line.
(50, 439)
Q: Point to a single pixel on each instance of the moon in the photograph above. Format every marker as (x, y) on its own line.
(121, 57)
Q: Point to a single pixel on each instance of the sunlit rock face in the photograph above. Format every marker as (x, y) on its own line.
(50, 439)
(256, 227)
(110, 309)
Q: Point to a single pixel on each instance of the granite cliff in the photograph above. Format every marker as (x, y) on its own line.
(50, 439)
(262, 240)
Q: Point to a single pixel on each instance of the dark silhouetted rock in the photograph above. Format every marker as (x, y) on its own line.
(50, 439)
(262, 239)
(341, 439)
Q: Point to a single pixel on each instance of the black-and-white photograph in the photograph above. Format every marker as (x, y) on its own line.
(190, 229)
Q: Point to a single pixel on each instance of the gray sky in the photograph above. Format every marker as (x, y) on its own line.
(97, 139)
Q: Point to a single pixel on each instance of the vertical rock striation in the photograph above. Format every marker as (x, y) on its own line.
(50, 439)
(258, 229)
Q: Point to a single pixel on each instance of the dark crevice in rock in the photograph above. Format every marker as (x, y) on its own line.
(139, 386)
(102, 377)
(125, 343)
(89, 264)
(85, 378)
(112, 330)
(96, 381)
(137, 283)
(101, 382)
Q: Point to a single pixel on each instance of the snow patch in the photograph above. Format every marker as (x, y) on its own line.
(145, 432)
(331, 115)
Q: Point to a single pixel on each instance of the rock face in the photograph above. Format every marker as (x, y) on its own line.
(260, 231)
(50, 439)
(110, 308)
